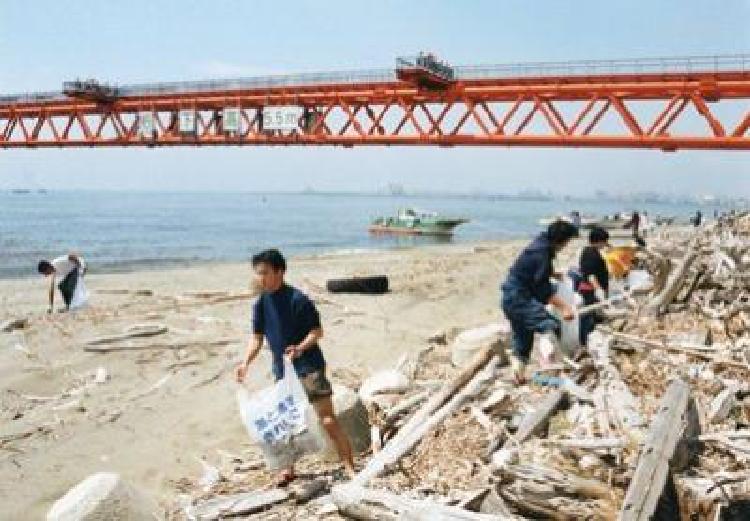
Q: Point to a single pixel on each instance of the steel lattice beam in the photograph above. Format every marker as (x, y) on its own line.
(575, 111)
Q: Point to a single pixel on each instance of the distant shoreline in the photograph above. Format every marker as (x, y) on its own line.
(704, 201)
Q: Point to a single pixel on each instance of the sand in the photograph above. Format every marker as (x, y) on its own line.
(160, 410)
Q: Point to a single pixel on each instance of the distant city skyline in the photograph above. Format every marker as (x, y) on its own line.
(142, 41)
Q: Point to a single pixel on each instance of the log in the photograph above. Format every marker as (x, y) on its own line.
(722, 405)
(123, 291)
(535, 421)
(426, 419)
(239, 504)
(679, 349)
(674, 283)
(495, 399)
(590, 443)
(536, 509)
(404, 406)
(539, 481)
(664, 451)
(663, 266)
(483, 420)
(492, 503)
(140, 332)
(732, 435)
(13, 324)
(450, 388)
(182, 344)
(308, 491)
(358, 502)
(601, 414)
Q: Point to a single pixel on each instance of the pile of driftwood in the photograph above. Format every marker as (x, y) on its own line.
(651, 422)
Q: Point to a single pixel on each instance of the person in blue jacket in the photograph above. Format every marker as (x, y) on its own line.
(527, 290)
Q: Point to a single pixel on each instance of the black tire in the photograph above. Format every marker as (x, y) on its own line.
(367, 285)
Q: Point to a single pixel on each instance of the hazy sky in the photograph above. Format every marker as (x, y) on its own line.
(45, 42)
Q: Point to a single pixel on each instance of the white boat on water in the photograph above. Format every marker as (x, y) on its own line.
(608, 222)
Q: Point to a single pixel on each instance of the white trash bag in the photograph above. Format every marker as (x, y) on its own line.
(80, 295)
(570, 340)
(280, 419)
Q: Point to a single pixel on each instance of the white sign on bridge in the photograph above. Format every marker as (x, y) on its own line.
(282, 117)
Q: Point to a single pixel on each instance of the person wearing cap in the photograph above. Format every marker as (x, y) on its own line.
(594, 283)
(527, 290)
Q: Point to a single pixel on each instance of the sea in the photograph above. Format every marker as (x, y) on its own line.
(126, 231)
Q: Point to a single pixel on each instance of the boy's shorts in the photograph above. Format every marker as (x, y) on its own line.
(316, 385)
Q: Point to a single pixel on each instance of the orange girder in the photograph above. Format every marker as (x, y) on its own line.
(521, 111)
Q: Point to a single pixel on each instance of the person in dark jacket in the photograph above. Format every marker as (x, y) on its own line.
(527, 290)
(594, 281)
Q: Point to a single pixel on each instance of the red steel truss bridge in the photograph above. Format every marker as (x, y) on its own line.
(663, 103)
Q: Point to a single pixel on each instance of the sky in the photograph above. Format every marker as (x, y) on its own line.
(45, 42)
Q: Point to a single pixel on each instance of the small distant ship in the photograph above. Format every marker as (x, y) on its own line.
(410, 221)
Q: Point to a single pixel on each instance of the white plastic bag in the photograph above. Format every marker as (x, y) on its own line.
(281, 420)
(80, 295)
(570, 340)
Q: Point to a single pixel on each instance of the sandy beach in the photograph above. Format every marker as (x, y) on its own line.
(161, 409)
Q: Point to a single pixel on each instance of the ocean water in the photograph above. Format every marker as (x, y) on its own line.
(119, 231)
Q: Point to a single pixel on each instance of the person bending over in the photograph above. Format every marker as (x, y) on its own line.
(527, 290)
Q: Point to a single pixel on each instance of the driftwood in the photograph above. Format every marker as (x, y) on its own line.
(495, 399)
(492, 503)
(404, 406)
(13, 324)
(450, 388)
(664, 451)
(722, 405)
(239, 504)
(590, 443)
(673, 285)
(663, 267)
(369, 504)
(308, 491)
(159, 383)
(426, 419)
(180, 344)
(123, 291)
(538, 482)
(678, 349)
(732, 435)
(536, 421)
(140, 332)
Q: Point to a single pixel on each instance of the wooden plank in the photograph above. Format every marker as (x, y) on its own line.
(527, 478)
(239, 504)
(675, 420)
(178, 344)
(141, 332)
(536, 421)
(590, 443)
(674, 283)
(412, 432)
(625, 337)
(356, 501)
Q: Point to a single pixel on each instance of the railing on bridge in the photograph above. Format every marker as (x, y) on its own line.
(686, 64)
(718, 63)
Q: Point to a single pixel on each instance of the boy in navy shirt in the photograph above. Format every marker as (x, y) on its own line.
(287, 318)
